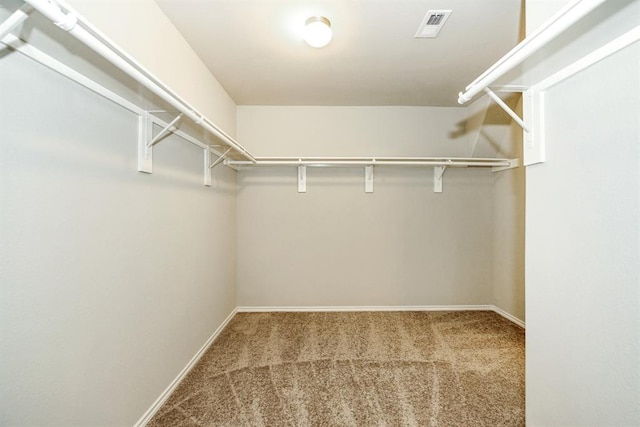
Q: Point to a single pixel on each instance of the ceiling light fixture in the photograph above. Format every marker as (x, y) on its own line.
(317, 31)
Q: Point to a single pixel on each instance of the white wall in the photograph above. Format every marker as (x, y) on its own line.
(496, 135)
(144, 31)
(336, 245)
(111, 279)
(583, 251)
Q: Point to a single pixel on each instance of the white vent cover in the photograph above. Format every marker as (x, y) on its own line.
(432, 23)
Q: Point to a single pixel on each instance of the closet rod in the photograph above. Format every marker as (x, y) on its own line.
(37, 55)
(377, 161)
(16, 18)
(556, 25)
(81, 29)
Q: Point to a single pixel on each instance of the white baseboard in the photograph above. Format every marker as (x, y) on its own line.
(508, 316)
(385, 308)
(366, 308)
(165, 394)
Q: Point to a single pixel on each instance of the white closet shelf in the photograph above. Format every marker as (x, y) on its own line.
(439, 165)
(74, 24)
(459, 162)
(160, 110)
(578, 36)
(570, 34)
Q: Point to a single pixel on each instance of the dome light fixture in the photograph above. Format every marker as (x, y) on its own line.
(317, 31)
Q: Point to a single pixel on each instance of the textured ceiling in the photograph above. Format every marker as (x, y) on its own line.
(254, 48)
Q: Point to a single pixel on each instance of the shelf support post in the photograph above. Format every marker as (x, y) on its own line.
(506, 109)
(145, 152)
(368, 179)
(302, 179)
(438, 173)
(207, 168)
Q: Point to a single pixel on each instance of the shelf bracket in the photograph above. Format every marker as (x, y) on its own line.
(145, 152)
(220, 159)
(207, 167)
(164, 131)
(513, 163)
(438, 173)
(302, 179)
(506, 109)
(368, 179)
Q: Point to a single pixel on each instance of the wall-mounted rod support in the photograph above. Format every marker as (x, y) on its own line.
(145, 151)
(302, 179)
(146, 121)
(15, 19)
(102, 45)
(556, 25)
(506, 108)
(207, 169)
(368, 179)
(513, 163)
(164, 131)
(220, 159)
(438, 174)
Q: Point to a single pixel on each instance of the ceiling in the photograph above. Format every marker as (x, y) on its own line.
(255, 48)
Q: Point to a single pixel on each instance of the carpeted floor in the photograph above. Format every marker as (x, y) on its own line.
(356, 369)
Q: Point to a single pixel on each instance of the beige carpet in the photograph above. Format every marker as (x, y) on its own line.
(356, 369)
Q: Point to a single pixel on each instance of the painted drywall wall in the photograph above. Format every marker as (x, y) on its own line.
(539, 11)
(111, 279)
(337, 246)
(583, 251)
(353, 131)
(144, 31)
(496, 135)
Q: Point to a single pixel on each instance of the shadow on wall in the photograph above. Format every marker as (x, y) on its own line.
(492, 115)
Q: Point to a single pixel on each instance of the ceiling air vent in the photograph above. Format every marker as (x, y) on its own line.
(432, 23)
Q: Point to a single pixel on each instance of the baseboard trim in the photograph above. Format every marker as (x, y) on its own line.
(509, 316)
(165, 394)
(292, 309)
(366, 308)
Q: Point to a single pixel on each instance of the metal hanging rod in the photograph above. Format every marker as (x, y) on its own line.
(81, 29)
(93, 38)
(556, 25)
(16, 18)
(377, 161)
(37, 55)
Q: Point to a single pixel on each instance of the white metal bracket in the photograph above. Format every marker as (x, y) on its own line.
(207, 167)
(533, 150)
(164, 131)
(368, 179)
(220, 159)
(145, 152)
(438, 173)
(513, 163)
(302, 179)
(506, 109)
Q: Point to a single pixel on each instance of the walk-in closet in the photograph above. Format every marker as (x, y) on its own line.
(293, 212)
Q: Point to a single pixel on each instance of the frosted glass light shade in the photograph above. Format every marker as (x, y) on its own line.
(318, 31)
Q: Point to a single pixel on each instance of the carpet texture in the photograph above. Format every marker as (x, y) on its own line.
(356, 369)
